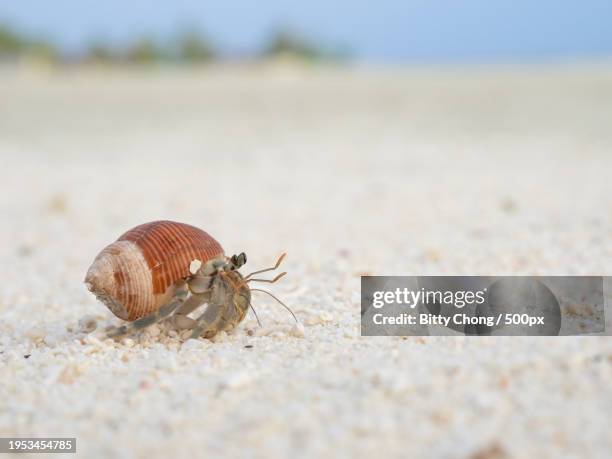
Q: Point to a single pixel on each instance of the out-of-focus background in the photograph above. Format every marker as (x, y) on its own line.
(392, 137)
(439, 31)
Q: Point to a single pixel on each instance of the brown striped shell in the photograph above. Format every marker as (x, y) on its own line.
(137, 273)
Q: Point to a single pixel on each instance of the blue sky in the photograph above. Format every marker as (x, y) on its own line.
(375, 30)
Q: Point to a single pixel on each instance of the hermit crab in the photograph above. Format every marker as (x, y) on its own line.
(166, 269)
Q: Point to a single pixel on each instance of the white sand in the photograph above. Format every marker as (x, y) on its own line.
(447, 172)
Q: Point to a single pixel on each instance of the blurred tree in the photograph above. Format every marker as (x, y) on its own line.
(11, 43)
(15, 45)
(98, 52)
(42, 51)
(145, 51)
(287, 43)
(193, 47)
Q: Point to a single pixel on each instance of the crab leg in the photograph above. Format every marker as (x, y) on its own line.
(207, 321)
(163, 312)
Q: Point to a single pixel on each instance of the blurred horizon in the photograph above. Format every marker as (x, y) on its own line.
(391, 31)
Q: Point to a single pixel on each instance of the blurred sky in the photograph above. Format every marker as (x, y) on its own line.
(375, 30)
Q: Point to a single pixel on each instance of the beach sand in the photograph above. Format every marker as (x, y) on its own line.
(484, 171)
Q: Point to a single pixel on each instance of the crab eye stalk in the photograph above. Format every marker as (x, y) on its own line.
(238, 260)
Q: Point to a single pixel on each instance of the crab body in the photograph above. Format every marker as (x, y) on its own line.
(163, 269)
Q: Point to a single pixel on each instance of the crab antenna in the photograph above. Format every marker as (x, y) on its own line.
(278, 262)
(282, 304)
(256, 316)
(267, 280)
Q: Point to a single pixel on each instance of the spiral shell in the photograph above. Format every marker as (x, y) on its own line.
(137, 273)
